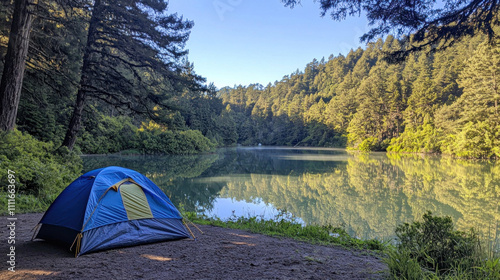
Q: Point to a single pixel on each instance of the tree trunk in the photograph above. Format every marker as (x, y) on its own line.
(76, 117)
(13, 71)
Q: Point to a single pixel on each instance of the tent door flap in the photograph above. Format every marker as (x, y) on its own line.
(135, 202)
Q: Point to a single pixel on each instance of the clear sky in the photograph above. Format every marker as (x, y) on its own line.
(237, 42)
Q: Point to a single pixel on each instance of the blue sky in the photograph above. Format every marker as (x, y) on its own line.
(242, 42)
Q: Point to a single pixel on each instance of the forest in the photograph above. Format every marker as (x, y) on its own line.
(104, 78)
(97, 77)
(98, 86)
(444, 102)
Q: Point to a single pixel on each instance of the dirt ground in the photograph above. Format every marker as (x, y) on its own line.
(217, 254)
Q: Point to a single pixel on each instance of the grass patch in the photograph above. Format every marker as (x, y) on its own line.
(25, 204)
(313, 259)
(283, 225)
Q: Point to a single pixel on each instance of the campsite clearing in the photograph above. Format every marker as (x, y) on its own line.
(219, 253)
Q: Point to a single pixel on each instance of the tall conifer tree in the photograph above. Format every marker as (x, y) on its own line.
(13, 71)
(131, 59)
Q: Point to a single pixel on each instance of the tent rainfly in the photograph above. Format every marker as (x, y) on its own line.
(108, 208)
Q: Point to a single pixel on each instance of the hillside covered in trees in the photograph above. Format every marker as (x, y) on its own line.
(443, 102)
(91, 83)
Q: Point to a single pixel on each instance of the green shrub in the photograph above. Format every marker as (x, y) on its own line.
(475, 140)
(491, 268)
(440, 252)
(403, 266)
(108, 135)
(40, 169)
(423, 139)
(369, 144)
(159, 141)
(436, 245)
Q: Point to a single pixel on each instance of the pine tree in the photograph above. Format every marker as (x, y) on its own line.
(369, 117)
(13, 70)
(423, 25)
(342, 107)
(131, 59)
(480, 81)
(423, 97)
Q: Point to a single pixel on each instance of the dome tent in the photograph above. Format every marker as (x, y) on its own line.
(108, 208)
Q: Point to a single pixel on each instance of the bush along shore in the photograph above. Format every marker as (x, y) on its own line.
(43, 169)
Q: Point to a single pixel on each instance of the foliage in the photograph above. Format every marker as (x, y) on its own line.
(425, 23)
(420, 101)
(26, 203)
(471, 123)
(435, 102)
(368, 144)
(173, 142)
(436, 245)
(103, 134)
(132, 60)
(475, 140)
(115, 134)
(41, 170)
(403, 266)
(432, 249)
(491, 268)
(361, 102)
(205, 113)
(424, 139)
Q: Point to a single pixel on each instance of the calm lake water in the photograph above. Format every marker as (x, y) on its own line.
(367, 194)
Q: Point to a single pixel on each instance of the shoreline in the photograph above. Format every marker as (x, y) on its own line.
(219, 253)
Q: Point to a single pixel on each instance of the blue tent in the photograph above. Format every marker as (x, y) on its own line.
(108, 208)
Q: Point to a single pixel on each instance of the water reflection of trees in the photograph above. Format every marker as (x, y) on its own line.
(370, 195)
(470, 189)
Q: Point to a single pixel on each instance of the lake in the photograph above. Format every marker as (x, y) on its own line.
(367, 194)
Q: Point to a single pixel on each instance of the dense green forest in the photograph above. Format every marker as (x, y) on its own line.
(140, 93)
(444, 102)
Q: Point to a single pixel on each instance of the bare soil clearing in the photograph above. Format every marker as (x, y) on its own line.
(219, 253)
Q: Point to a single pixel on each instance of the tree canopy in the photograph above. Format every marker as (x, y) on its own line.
(131, 59)
(422, 24)
(122, 67)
